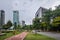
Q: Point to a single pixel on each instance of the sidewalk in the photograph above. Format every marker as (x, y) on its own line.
(20, 36)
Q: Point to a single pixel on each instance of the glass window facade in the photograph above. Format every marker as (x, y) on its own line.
(16, 17)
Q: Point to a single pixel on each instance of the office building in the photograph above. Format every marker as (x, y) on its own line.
(23, 23)
(2, 17)
(40, 12)
(16, 17)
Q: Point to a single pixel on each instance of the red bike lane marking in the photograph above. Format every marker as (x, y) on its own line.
(18, 37)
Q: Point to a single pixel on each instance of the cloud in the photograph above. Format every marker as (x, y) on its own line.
(27, 8)
(15, 5)
(56, 3)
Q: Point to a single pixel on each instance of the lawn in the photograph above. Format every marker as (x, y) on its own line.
(31, 36)
(8, 35)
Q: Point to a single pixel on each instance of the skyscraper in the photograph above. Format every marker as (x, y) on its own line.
(2, 17)
(15, 13)
(23, 23)
(16, 17)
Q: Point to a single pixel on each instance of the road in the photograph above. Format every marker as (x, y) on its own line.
(51, 34)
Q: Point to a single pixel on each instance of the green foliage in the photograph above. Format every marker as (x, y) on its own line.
(5, 26)
(44, 24)
(27, 27)
(47, 16)
(15, 25)
(8, 25)
(56, 12)
(18, 27)
(56, 21)
(36, 23)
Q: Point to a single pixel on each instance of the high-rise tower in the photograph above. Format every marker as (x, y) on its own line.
(2, 17)
(16, 12)
(16, 17)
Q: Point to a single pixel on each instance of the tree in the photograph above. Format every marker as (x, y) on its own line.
(26, 27)
(8, 25)
(56, 23)
(15, 25)
(36, 23)
(5, 26)
(43, 25)
(56, 19)
(18, 27)
(56, 12)
(47, 17)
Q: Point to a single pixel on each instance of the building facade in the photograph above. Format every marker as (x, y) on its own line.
(40, 12)
(23, 23)
(16, 17)
(2, 17)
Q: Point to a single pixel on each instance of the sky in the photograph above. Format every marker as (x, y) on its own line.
(26, 8)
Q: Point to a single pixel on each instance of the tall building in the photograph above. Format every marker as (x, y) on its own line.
(16, 17)
(40, 13)
(2, 17)
(15, 6)
(23, 23)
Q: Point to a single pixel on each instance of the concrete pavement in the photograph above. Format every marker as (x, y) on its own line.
(51, 34)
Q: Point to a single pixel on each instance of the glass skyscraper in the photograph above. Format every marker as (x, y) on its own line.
(16, 17)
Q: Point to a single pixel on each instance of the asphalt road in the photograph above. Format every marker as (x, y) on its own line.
(51, 34)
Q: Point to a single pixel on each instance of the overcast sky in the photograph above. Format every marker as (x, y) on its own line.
(27, 8)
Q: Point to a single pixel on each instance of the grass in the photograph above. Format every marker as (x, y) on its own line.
(8, 35)
(31, 36)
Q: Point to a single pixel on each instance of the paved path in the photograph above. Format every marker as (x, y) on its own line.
(51, 34)
(20, 36)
